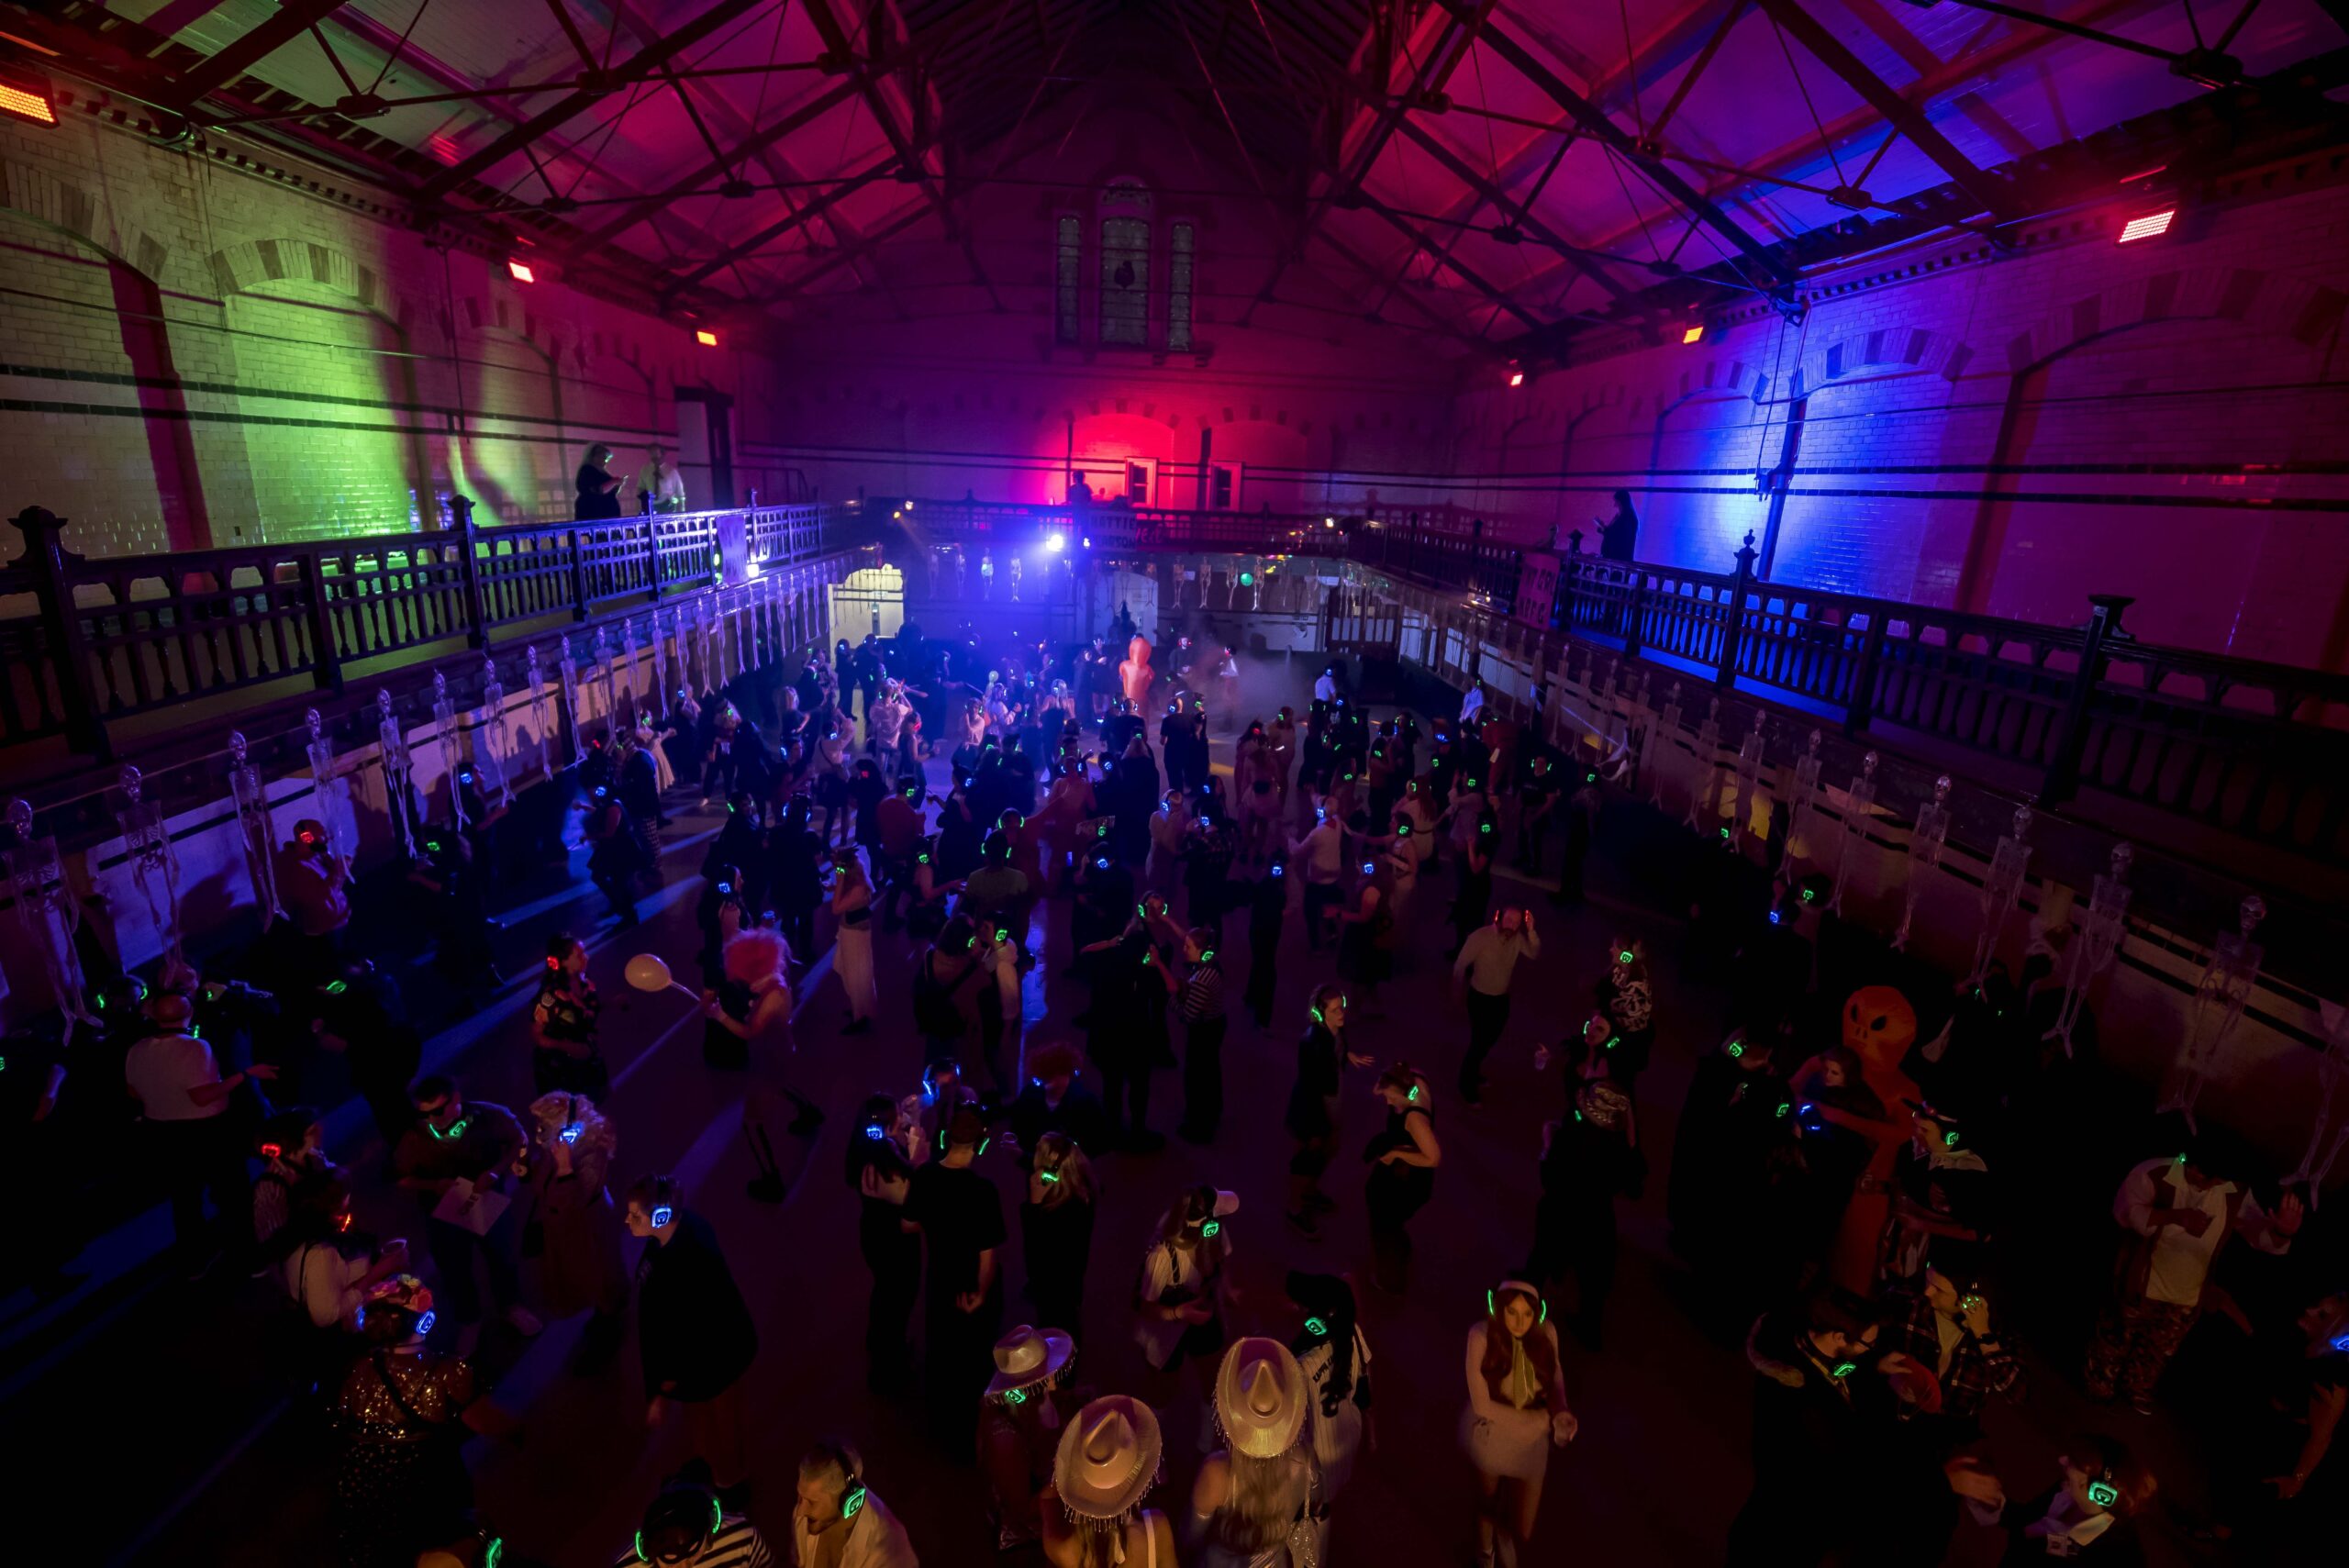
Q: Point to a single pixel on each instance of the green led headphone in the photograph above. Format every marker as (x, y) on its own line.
(1736, 1049)
(494, 1552)
(1492, 1308)
(1317, 1329)
(852, 1495)
(454, 1129)
(716, 1520)
(1844, 1369)
(2101, 1491)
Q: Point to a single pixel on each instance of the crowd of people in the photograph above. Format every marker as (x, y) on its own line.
(1854, 1199)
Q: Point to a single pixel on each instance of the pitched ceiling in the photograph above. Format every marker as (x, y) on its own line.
(1515, 168)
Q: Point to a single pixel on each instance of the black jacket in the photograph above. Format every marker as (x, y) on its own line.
(695, 1332)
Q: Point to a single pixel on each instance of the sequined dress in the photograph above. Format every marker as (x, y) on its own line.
(402, 1476)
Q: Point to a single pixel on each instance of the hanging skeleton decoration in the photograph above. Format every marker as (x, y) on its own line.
(154, 861)
(541, 720)
(2096, 944)
(599, 653)
(327, 785)
(49, 914)
(399, 772)
(1859, 809)
(1805, 808)
(452, 756)
(2330, 1136)
(624, 710)
(2220, 998)
(255, 834)
(493, 756)
(662, 621)
(568, 668)
(2001, 890)
(1925, 846)
(1750, 754)
(1704, 801)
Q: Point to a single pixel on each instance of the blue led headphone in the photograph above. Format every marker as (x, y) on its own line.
(661, 1215)
(572, 1126)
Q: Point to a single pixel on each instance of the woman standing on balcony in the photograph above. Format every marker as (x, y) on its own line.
(1619, 536)
(599, 496)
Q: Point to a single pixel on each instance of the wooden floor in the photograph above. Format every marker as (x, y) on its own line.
(155, 1411)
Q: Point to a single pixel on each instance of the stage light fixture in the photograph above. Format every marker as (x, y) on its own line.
(2153, 225)
(521, 272)
(1057, 542)
(1515, 377)
(707, 340)
(24, 102)
(1693, 335)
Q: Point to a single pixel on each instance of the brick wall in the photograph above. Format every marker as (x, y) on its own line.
(2004, 434)
(197, 353)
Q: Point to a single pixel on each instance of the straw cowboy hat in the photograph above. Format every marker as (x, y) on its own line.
(1259, 1399)
(1108, 1458)
(1027, 1356)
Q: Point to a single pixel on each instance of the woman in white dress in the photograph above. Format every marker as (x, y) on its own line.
(853, 940)
(1516, 1413)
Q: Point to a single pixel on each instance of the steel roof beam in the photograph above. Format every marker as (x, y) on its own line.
(1897, 112)
(292, 19)
(1522, 217)
(1597, 124)
(571, 106)
(808, 212)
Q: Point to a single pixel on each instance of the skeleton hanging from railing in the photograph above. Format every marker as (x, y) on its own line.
(663, 623)
(2001, 890)
(2096, 944)
(452, 757)
(49, 914)
(1859, 810)
(599, 653)
(399, 772)
(1926, 843)
(493, 756)
(1803, 811)
(1667, 723)
(1751, 753)
(256, 835)
(154, 861)
(327, 785)
(1704, 799)
(2330, 1133)
(540, 720)
(623, 716)
(567, 668)
(2220, 998)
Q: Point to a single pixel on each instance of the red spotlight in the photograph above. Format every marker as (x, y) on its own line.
(707, 340)
(23, 103)
(521, 271)
(2153, 225)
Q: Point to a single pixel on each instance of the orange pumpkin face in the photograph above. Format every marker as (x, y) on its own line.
(1879, 1024)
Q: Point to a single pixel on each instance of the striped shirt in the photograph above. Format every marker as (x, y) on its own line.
(1202, 997)
(737, 1545)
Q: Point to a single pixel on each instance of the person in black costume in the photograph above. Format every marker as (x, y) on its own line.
(1311, 1115)
(598, 498)
(1056, 1230)
(693, 1331)
(882, 1175)
(1402, 1156)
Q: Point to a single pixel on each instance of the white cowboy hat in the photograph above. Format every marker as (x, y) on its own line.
(1259, 1399)
(1108, 1458)
(1027, 1356)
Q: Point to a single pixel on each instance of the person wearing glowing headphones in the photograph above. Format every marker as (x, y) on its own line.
(1402, 1157)
(836, 1521)
(693, 1331)
(686, 1526)
(1516, 1413)
(454, 1160)
(959, 1214)
(2089, 1513)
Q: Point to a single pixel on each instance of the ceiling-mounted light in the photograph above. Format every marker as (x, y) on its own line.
(1693, 334)
(521, 271)
(708, 340)
(1516, 373)
(2153, 225)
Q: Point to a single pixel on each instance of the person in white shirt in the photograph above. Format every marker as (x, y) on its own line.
(184, 1100)
(1323, 853)
(2179, 1213)
(1486, 964)
(837, 1522)
(659, 479)
(1325, 685)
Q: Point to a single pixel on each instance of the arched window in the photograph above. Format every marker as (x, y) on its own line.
(1069, 278)
(1125, 264)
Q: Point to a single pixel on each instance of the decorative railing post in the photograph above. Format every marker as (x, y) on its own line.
(461, 516)
(652, 554)
(2063, 780)
(1635, 609)
(1859, 705)
(578, 571)
(1733, 620)
(44, 556)
(317, 588)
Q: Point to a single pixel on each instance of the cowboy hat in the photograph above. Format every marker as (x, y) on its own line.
(1108, 1458)
(1027, 1356)
(1259, 1399)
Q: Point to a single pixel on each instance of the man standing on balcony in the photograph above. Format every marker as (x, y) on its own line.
(659, 486)
(1619, 536)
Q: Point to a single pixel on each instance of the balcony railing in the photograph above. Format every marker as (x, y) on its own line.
(88, 644)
